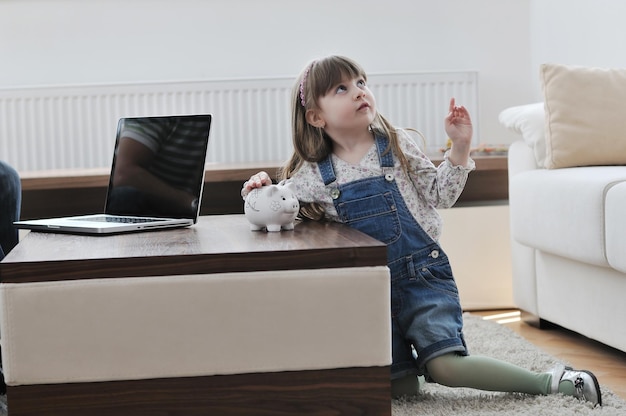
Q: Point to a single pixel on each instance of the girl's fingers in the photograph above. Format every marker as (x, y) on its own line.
(259, 178)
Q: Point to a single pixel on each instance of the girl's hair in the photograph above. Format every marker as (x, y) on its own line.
(312, 144)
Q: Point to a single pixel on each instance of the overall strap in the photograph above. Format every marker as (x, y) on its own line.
(386, 159)
(327, 171)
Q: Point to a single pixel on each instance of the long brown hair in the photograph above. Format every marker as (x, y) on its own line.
(312, 144)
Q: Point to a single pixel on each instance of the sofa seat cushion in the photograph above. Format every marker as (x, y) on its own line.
(616, 226)
(562, 211)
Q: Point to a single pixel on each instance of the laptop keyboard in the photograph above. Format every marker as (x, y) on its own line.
(121, 220)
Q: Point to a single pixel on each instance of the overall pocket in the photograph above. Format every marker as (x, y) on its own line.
(375, 215)
(437, 275)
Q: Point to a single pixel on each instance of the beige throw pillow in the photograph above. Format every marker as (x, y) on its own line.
(585, 116)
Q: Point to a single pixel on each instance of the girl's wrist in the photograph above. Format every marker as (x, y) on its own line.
(459, 155)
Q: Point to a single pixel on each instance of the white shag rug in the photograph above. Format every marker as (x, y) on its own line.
(497, 341)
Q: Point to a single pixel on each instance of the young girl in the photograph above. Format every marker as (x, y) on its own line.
(352, 166)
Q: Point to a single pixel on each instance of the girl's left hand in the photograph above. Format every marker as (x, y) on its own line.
(458, 124)
(459, 129)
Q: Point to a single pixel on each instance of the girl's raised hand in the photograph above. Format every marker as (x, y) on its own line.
(459, 129)
(458, 124)
(256, 181)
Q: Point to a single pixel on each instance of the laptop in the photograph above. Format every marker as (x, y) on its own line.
(156, 179)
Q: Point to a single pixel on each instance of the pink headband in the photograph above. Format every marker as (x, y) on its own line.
(306, 74)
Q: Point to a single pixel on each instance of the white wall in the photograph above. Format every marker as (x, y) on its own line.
(46, 42)
(477, 241)
(577, 32)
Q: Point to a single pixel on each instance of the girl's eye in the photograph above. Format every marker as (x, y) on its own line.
(361, 83)
(341, 88)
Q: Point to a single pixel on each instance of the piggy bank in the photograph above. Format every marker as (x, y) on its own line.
(273, 207)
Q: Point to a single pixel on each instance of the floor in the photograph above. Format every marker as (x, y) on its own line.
(608, 364)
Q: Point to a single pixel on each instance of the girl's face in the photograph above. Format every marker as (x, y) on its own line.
(348, 107)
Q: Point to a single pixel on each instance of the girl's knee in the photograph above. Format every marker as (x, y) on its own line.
(442, 369)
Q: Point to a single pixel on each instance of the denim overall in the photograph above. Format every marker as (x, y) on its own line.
(425, 309)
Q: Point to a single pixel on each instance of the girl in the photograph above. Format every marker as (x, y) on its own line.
(352, 166)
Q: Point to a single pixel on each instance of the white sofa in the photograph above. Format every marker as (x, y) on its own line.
(567, 197)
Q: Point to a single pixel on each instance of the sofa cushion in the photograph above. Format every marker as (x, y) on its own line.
(529, 121)
(561, 211)
(584, 124)
(616, 226)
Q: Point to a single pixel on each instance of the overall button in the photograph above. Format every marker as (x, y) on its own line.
(334, 193)
(434, 254)
(388, 177)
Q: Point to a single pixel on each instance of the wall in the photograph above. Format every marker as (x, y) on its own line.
(576, 32)
(477, 241)
(45, 42)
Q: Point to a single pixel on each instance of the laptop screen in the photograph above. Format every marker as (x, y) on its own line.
(158, 166)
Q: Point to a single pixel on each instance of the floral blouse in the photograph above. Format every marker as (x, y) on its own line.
(424, 190)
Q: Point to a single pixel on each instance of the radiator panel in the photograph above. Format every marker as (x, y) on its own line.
(71, 127)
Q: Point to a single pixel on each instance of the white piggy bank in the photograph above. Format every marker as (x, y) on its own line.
(273, 207)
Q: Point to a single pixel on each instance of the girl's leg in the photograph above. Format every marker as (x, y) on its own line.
(486, 373)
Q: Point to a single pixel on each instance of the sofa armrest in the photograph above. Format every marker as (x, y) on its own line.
(521, 159)
(529, 122)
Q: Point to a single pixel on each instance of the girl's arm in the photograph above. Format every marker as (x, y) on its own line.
(437, 186)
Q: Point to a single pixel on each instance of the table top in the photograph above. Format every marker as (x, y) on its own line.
(216, 244)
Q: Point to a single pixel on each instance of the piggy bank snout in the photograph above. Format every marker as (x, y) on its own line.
(292, 204)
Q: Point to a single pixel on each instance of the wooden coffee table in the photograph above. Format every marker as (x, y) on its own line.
(216, 244)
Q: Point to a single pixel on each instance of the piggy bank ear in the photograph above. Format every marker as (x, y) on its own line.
(291, 186)
(270, 190)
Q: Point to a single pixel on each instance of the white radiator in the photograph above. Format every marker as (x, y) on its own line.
(69, 127)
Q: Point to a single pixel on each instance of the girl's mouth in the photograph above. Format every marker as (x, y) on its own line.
(364, 105)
